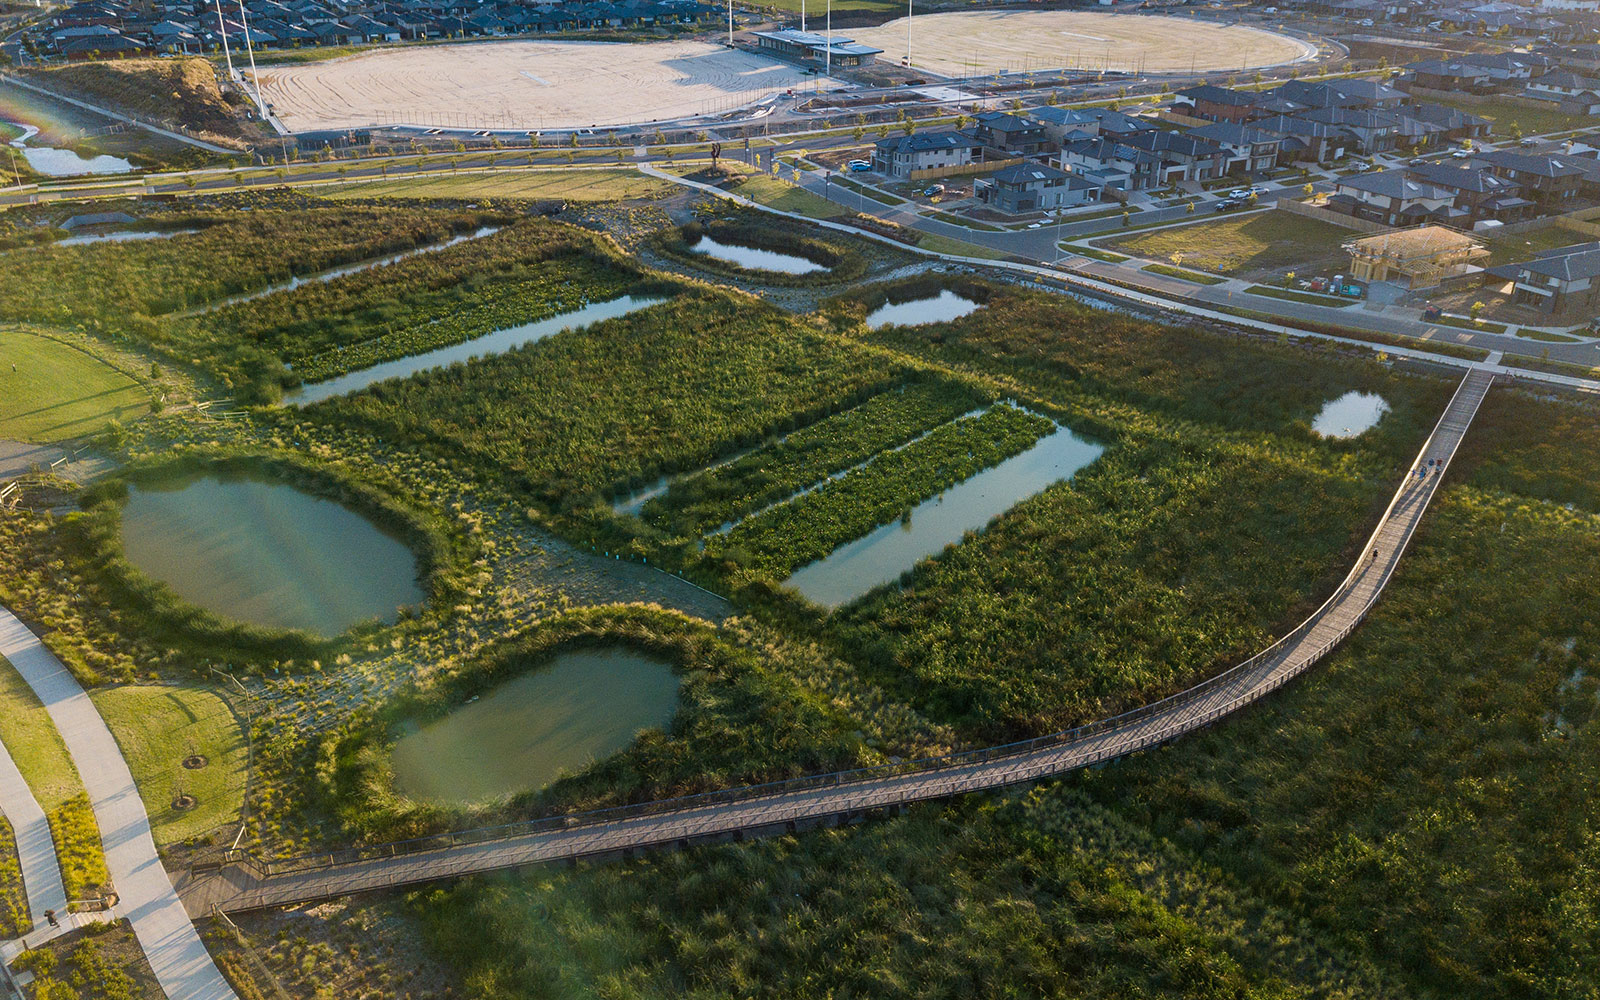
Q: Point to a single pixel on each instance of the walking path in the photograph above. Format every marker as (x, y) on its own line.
(41, 873)
(246, 883)
(180, 961)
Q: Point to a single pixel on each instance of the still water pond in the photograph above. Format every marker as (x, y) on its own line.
(941, 308)
(482, 347)
(755, 259)
(1351, 415)
(889, 550)
(256, 550)
(582, 706)
(54, 162)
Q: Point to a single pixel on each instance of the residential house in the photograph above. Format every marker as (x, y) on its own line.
(1183, 157)
(1218, 104)
(1391, 197)
(1566, 279)
(1373, 131)
(901, 156)
(1551, 180)
(1246, 149)
(1305, 140)
(1111, 163)
(1006, 135)
(1479, 193)
(1034, 187)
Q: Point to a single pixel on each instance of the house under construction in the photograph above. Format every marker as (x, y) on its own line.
(1422, 257)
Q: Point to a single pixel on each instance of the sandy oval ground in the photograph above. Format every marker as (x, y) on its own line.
(522, 85)
(982, 42)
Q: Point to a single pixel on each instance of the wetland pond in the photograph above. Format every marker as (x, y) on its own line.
(754, 258)
(489, 344)
(253, 549)
(581, 706)
(881, 555)
(941, 308)
(1351, 415)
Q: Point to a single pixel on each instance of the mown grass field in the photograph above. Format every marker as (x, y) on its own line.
(158, 728)
(1263, 241)
(1532, 120)
(51, 391)
(577, 184)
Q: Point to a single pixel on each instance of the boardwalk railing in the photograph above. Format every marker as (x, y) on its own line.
(1024, 760)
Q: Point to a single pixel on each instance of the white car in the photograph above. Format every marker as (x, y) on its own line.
(1461, 154)
(1255, 189)
(1240, 192)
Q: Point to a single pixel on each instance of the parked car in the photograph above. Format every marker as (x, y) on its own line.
(1229, 204)
(1461, 154)
(1257, 190)
(1432, 312)
(1528, 142)
(1239, 193)
(859, 166)
(932, 189)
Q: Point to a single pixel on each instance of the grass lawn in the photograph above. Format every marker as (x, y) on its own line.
(1533, 121)
(960, 248)
(1513, 247)
(1243, 243)
(158, 728)
(59, 392)
(1290, 295)
(578, 185)
(33, 742)
(1182, 275)
(785, 197)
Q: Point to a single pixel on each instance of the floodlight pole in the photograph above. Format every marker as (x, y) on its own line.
(730, 24)
(802, 15)
(828, 61)
(223, 31)
(908, 32)
(255, 81)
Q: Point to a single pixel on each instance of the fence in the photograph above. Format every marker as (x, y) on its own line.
(986, 167)
(1321, 214)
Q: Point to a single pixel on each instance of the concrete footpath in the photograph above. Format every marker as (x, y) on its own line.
(41, 872)
(181, 962)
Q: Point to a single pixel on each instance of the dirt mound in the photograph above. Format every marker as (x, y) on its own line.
(182, 91)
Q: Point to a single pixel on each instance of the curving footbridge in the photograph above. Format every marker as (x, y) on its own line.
(243, 882)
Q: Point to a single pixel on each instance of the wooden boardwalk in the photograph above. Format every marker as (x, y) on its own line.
(245, 883)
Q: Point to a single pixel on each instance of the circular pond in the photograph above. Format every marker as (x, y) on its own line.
(254, 549)
(581, 706)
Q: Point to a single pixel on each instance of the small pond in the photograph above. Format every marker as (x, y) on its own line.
(941, 308)
(1351, 415)
(754, 258)
(253, 549)
(884, 553)
(582, 706)
(484, 346)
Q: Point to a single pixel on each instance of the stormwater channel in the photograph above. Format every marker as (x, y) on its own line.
(341, 271)
(122, 236)
(941, 308)
(489, 344)
(886, 552)
(253, 549)
(754, 258)
(581, 706)
(1351, 415)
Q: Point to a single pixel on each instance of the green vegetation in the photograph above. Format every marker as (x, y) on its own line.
(958, 248)
(158, 730)
(651, 393)
(1094, 254)
(1535, 118)
(1242, 243)
(98, 961)
(1521, 246)
(526, 272)
(804, 529)
(31, 739)
(1184, 275)
(1548, 337)
(1463, 323)
(699, 503)
(786, 197)
(1553, 367)
(126, 290)
(14, 920)
(567, 184)
(52, 391)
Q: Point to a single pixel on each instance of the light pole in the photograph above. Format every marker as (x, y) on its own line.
(908, 32)
(255, 81)
(730, 24)
(828, 52)
(223, 31)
